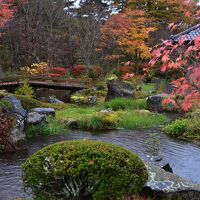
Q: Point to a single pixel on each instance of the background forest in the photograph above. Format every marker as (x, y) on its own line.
(89, 32)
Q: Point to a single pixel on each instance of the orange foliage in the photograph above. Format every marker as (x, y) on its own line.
(129, 31)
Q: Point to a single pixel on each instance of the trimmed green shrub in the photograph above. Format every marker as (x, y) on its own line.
(123, 103)
(84, 170)
(51, 127)
(185, 128)
(177, 128)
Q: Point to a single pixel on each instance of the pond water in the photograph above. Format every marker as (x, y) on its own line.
(183, 157)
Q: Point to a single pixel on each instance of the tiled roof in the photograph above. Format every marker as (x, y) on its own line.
(189, 34)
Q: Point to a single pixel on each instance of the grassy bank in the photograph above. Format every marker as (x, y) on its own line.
(123, 115)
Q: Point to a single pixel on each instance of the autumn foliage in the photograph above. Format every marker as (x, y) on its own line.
(6, 142)
(182, 56)
(96, 70)
(58, 72)
(36, 69)
(78, 70)
(129, 32)
(6, 11)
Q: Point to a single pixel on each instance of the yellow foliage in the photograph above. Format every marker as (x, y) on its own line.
(134, 38)
(36, 69)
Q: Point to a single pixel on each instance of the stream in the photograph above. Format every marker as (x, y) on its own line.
(183, 157)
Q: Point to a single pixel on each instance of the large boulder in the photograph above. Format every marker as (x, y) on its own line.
(34, 118)
(165, 185)
(154, 103)
(117, 88)
(17, 106)
(38, 116)
(44, 111)
(20, 115)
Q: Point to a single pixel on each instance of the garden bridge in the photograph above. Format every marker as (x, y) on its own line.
(72, 85)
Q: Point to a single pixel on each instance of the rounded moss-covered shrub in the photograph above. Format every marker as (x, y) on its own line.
(84, 170)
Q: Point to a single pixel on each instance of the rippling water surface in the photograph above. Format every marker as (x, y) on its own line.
(183, 157)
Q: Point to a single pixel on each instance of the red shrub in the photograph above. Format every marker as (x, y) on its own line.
(58, 71)
(78, 70)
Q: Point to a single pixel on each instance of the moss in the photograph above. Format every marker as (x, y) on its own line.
(29, 103)
(5, 104)
(79, 99)
(80, 169)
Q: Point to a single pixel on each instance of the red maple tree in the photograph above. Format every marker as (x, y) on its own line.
(184, 57)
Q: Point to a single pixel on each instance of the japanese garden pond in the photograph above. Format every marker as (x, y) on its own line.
(183, 157)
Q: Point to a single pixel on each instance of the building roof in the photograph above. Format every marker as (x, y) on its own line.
(189, 34)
